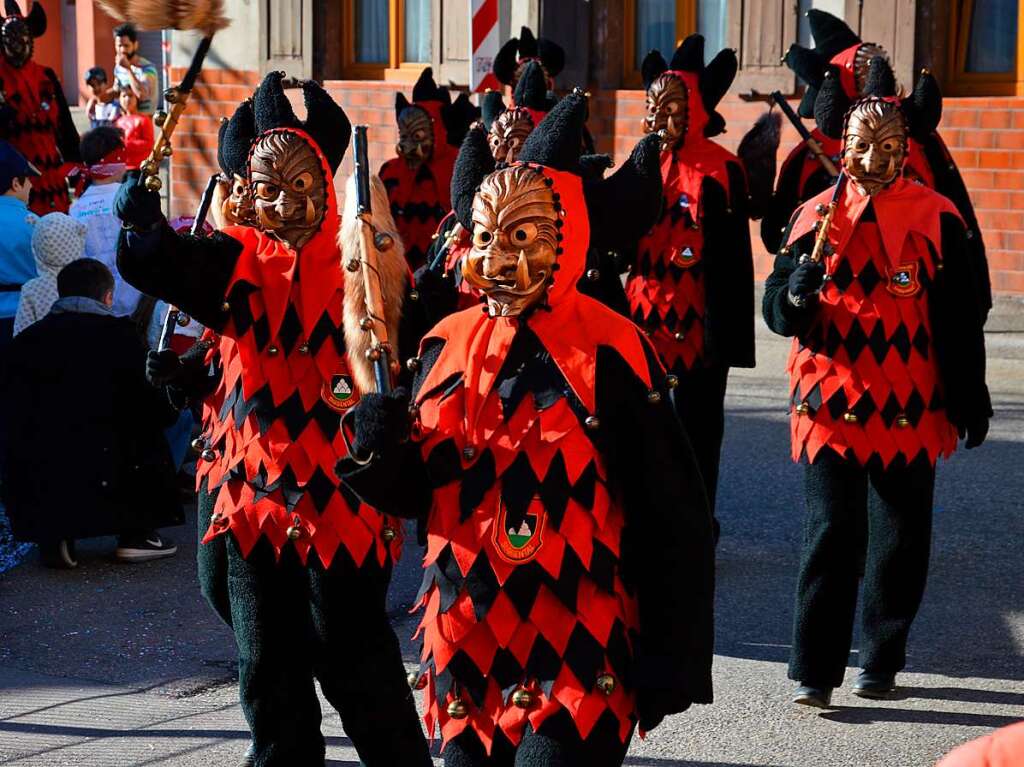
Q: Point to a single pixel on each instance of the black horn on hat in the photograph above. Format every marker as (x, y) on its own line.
(473, 164)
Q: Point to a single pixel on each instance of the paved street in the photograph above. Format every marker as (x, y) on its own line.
(124, 665)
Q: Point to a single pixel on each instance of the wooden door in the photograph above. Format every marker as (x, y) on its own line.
(286, 36)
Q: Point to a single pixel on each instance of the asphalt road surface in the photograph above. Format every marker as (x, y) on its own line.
(125, 665)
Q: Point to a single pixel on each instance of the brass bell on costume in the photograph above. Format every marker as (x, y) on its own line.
(672, 380)
(522, 698)
(416, 680)
(592, 422)
(272, 350)
(208, 455)
(457, 709)
(902, 421)
(198, 444)
(388, 534)
(606, 683)
(803, 408)
(654, 396)
(850, 417)
(303, 348)
(680, 335)
(593, 275)
(294, 532)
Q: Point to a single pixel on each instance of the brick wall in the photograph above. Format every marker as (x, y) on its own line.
(986, 136)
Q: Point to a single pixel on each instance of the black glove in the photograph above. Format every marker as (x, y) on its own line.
(137, 207)
(974, 431)
(806, 279)
(381, 421)
(163, 368)
(437, 292)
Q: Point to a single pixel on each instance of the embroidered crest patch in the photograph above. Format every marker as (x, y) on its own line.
(685, 257)
(903, 280)
(339, 392)
(518, 537)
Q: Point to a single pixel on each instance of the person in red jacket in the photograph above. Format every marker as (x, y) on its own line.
(692, 285)
(840, 53)
(308, 563)
(136, 128)
(568, 582)
(887, 369)
(34, 115)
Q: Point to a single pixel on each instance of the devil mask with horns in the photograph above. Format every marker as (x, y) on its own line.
(234, 202)
(507, 128)
(682, 96)
(18, 33)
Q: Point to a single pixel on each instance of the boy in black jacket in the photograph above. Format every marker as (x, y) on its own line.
(88, 453)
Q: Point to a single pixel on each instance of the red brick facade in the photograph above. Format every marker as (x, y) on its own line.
(986, 136)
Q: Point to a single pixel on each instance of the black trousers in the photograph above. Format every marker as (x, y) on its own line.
(846, 503)
(556, 744)
(699, 401)
(295, 622)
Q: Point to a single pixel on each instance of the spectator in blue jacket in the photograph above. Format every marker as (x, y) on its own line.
(17, 264)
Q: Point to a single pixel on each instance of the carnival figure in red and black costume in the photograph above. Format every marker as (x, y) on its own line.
(439, 282)
(34, 115)
(887, 368)
(841, 54)
(569, 564)
(419, 178)
(308, 564)
(692, 285)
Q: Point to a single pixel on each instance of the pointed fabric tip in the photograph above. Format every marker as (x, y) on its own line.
(653, 67)
(689, 56)
(491, 105)
(532, 88)
(235, 140)
(326, 122)
(271, 105)
(552, 55)
(527, 43)
(831, 106)
(11, 8)
(505, 62)
(881, 81)
(426, 88)
(831, 34)
(557, 142)
(36, 20)
(924, 107)
(473, 164)
(717, 78)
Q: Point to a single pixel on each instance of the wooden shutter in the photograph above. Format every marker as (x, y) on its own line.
(569, 25)
(890, 23)
(762, 32)
(286, 36)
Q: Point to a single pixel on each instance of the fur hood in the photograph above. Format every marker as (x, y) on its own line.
(394, 276)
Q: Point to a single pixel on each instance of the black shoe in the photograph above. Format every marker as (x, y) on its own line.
(874, 686)
(144, 548)
(817, 697)
(249, 759)
(59, 555)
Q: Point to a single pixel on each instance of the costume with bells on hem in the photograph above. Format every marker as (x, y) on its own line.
(839, 53)
(888, 363)
(569, 576)
(306, 561)
(691, 288)
(34, 115)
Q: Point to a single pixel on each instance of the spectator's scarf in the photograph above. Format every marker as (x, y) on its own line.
(110, 165)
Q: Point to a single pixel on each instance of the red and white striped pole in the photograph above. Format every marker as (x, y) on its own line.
(484, 44)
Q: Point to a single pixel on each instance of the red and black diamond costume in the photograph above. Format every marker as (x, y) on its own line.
(569, 553)
(888, 363)
(306, 561)
(34, 115)
(420, 197)
(691, 288)
(840, 52)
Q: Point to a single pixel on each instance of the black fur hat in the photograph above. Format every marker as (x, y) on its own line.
(326, 122)
(458, 117)
(831, 36)
(427, 89)
(36, 18)
(532, 89)
(880, 81)
(558, 141)
(714, 80)
(526, 46)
